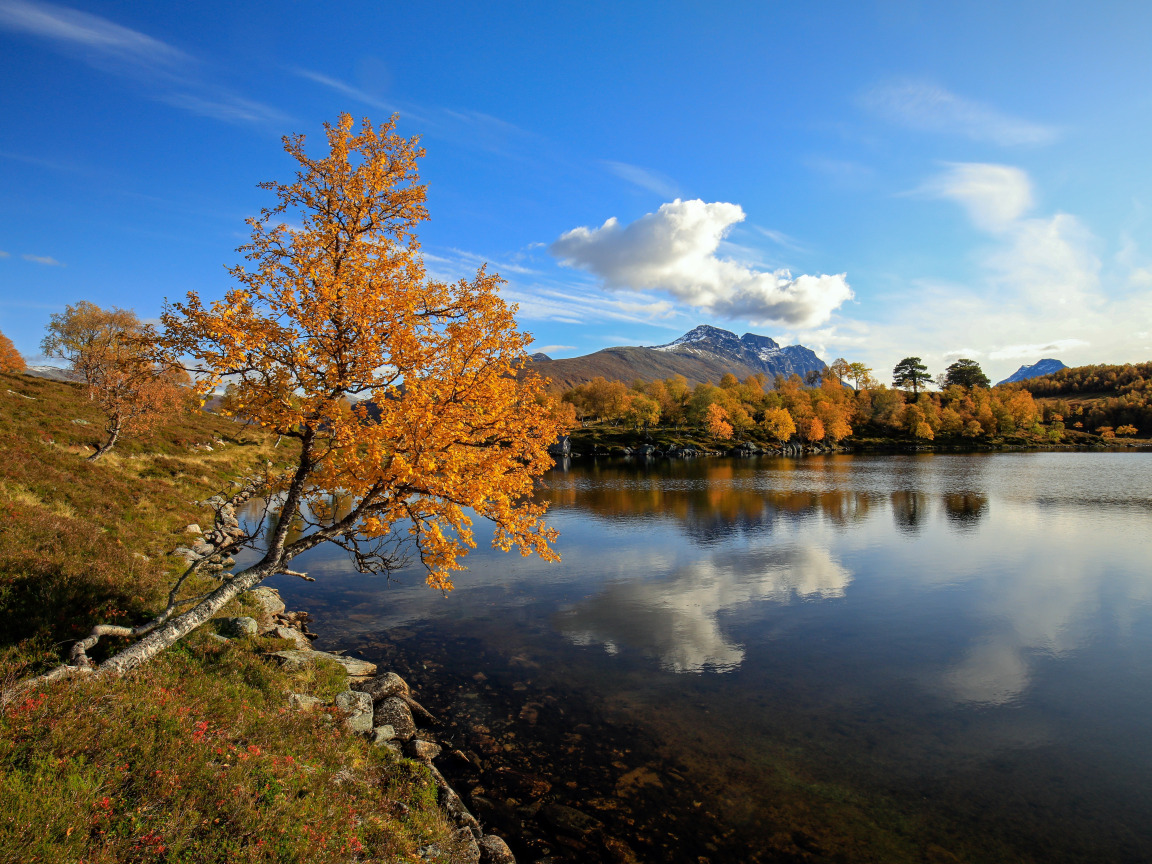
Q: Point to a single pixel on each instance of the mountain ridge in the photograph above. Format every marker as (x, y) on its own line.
(703, 354)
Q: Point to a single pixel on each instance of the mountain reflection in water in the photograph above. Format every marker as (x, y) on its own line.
(931, 655)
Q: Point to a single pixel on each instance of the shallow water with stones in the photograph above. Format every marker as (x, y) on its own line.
(843, 658)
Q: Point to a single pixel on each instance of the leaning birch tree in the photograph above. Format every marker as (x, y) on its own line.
(334, 309)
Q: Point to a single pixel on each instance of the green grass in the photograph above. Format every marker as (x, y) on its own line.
(195, 756)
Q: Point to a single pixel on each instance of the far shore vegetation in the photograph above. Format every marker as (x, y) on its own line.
(846, 407)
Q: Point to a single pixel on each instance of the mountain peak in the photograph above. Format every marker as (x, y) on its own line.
(1041, 367)
(751, 350)
(700, 333)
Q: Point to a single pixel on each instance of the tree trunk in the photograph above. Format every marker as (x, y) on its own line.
(117, 424)
(177, 628)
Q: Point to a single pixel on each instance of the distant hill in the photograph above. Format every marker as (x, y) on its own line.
(53, 373)
(1040, 367)
(703, 354)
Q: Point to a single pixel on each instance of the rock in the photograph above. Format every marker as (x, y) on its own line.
(238, 627)
(268, 599)
(358, 707)
(382, 686)
(187, 554)
(451, 802)
(202, 548)
(294, 658)
(303, 703)
(393, 711)
(567, 820)
(193, 529)
(460, 849)
(493, 850)
(382, 735)
(421, 750)
(217, 637)
(292, 635)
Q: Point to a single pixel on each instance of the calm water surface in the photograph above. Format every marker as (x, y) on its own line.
(922, 658)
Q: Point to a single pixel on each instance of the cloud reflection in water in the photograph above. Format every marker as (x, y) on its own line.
(676, 619)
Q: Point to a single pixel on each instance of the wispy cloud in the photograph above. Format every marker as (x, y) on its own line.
(1036, 350)
(4, 254)
(229, 108)
(928, 107)
(782, 239)
(43, 259)
(842, 173)
(465, 127)
(361, 96)
(165, 72)
(653, 181)
(549, 349)
(103, 38)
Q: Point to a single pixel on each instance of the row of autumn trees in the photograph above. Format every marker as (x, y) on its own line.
(1068, 392)
(785, 408)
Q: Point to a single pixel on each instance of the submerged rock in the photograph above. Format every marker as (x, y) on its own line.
(567, 820)
(493, 850)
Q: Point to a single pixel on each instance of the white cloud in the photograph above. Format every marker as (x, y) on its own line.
(930, 108)
(995, 196)
(653, 181)
(43, 259)
(673, 250)
(548, 349)
(3, 254)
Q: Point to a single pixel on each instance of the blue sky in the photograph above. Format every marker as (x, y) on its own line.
(873, 180)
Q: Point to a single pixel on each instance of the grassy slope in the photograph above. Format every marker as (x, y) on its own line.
(196, 756)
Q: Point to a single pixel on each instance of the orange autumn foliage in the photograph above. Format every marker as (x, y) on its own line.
(115, 355)
(716, 422)
(10, 359)
(338, 306)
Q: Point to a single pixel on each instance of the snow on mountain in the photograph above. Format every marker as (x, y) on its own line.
(1040, 367)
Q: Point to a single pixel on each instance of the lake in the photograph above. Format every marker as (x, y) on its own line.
(843, 658)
